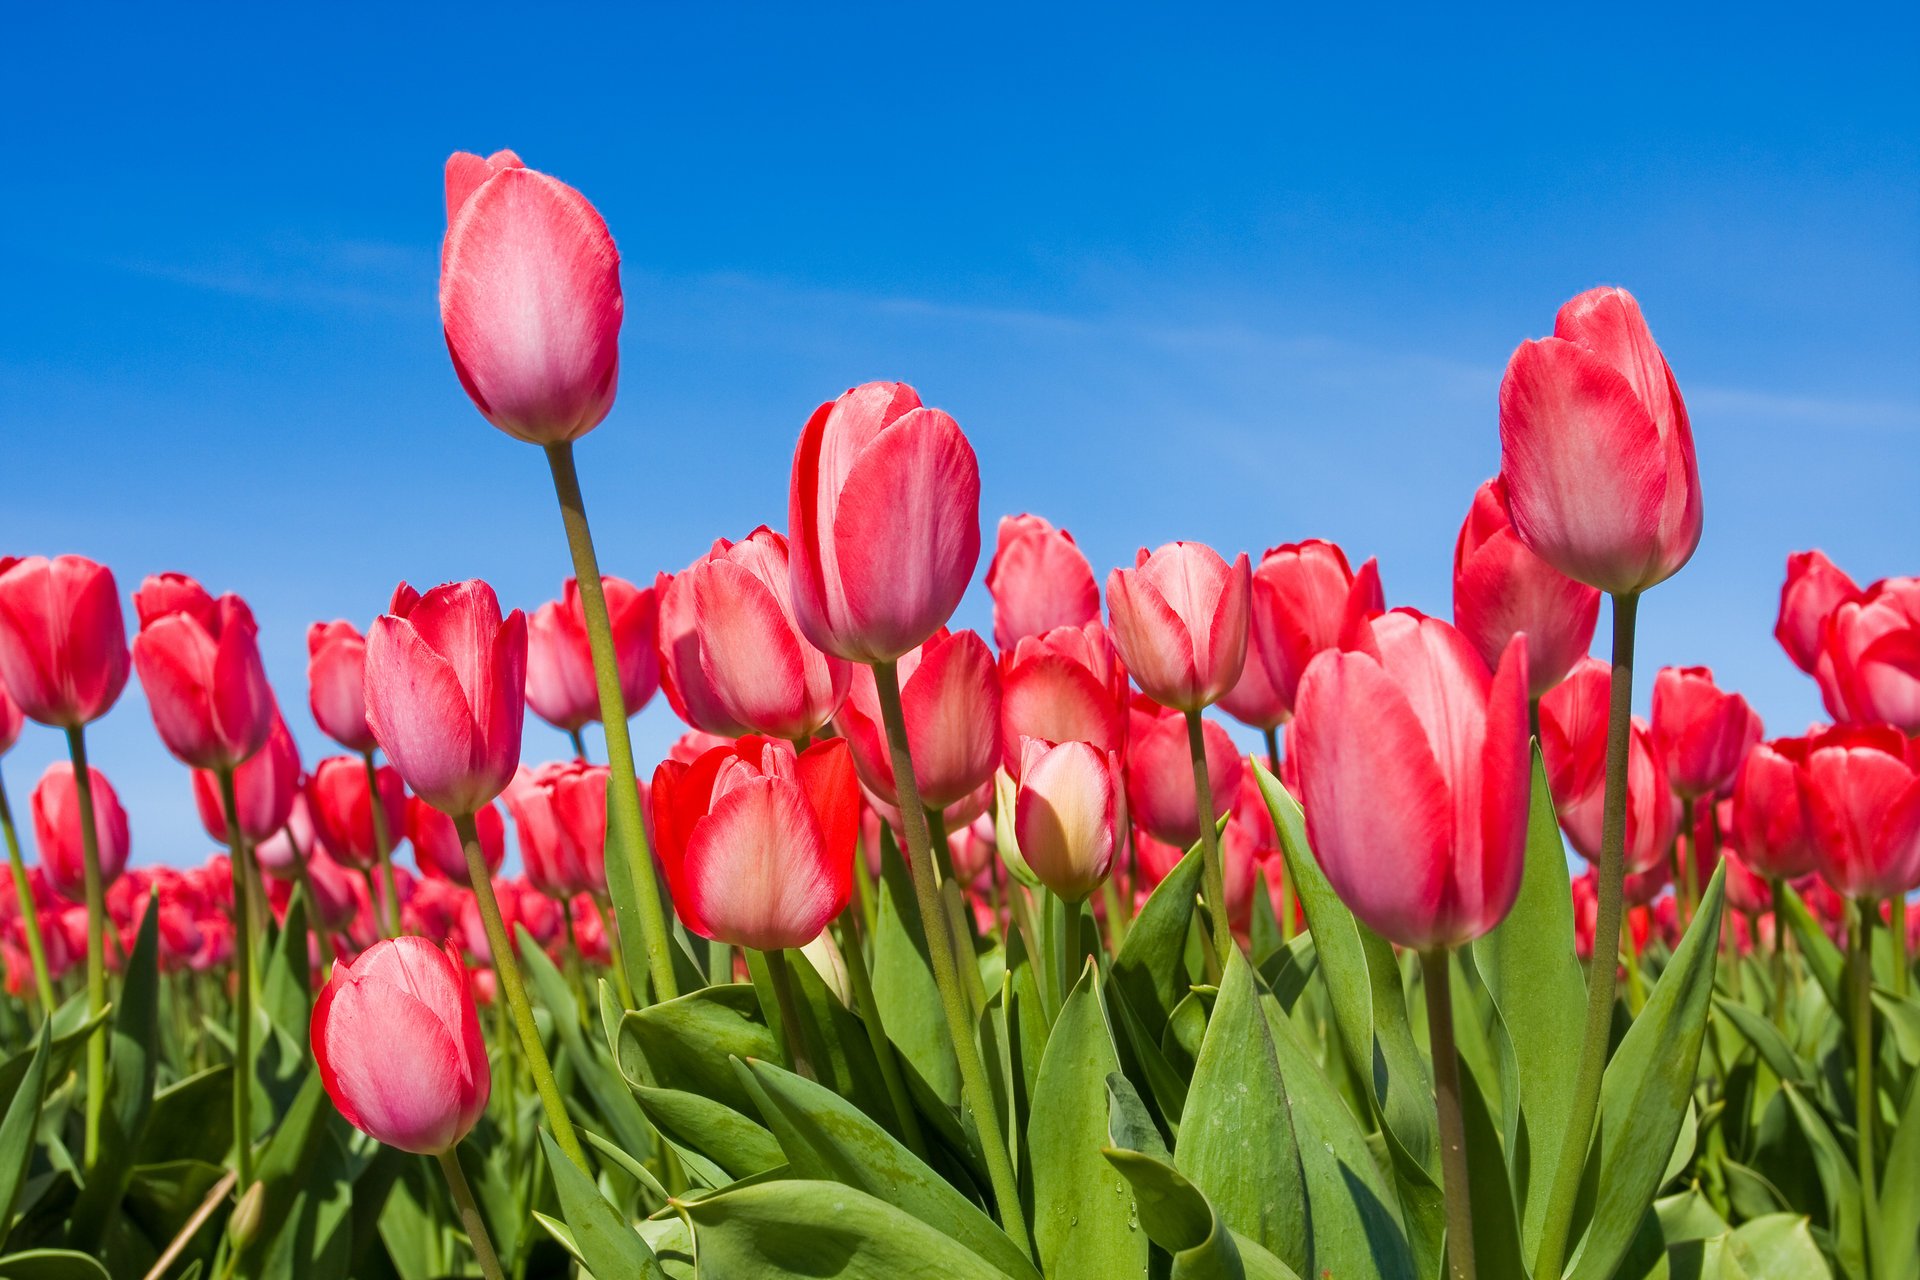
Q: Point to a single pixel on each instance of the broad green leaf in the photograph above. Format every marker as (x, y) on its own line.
(731, 1140)
(1150, 969)
(903, 985)
(1900, 1180)
(1496, 1226)
(1823, 959)
(630, 1166)
(1779, 1247)
(17, 1128)
(1688, 1216)
(1766, 1040)
(607, 1242)
(1838, 1183)
(801, 1230)
(69, 1025)
(191, 1120)
(686, 1043)
(1902, 1020)
(1287, 971)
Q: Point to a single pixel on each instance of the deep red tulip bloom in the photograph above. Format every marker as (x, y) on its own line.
(63, 646)
(757, 842)
(1597, 451)
(559, 810)
(1814, 588)
(263, 789)
(950, 697)
(884, 516)
(1700, 731)
(1069, 815)
(56, 826)
(282, 854)
(529, 298)
(446, 682)
(1772, 822)
(1413, 758)
(199, 662)
(1573, 742)
(1180, 619)
(1039, 579)
(1160, 792)
(1863, 793)
(560, 681)
(732, 655)
(336, 683)
(1304, 597)
(1869, 662)
(338, 800)
(397, 1039)
(1066, 685)
(437, 848)
(1500, 588)
(12, 720)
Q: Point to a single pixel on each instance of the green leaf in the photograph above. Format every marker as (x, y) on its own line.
(191, 1120)
(1823, 959)
(1264, 932)
(1150, 970)
(731, 1140)
(1902, 1020)
(1900, 1181)
(599, 1077)
(1688, 1216)
(1838, 1183)
(51, 1264)
(1646, 1090)
(18, 1126)
(687, 1043)
(800, 1230)
(131, 1064)
(608, 1244)
(1287, 971)
(1779, 1247)
(1766, 1040)
(1496, 1227)
(903, 985)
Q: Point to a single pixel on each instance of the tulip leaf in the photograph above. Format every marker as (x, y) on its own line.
(903, 985)
(132, 1055)
(1900, 1181)
(735, 1143)
(1647, 1089)
(1766, 1040)
(1838, 1183)
(1823, 959)
(787, 1230)
(69, 1027)
(1901, 1018)
(1778, 1246)
(1496, 1226)
(51, 1264)
(688, 1043)
(1288, 970)
(191, 1120)
(600, 1078)
(17, 1127)
(607, 1243)
(1150, 970)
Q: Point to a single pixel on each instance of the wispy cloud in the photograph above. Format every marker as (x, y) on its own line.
(310, 272)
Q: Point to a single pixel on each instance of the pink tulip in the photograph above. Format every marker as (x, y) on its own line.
(1069, 815)
(560, 681)
(56, 826)
(732, 655)
(1066, 685)
(1413, 758)
(1596, 449)
(282, 854)
(263, 789)
(339, 802)
(63, 646)
(1304, 597)
(1180, 619)
(530, 299)
(1701, 732)
(950, 698)
(1500, 588)
(199, 662)
(1869, 661)
(397, 1039)
(336, 683)
(1814, 588)
(1863, 795)
(1039, 580)
(559, 811)
(437, 847)
(1573, 742)
(884, 516)
(446, 681)
(1160, 792)
(757, 842)
(1772, 823)
(11, 720)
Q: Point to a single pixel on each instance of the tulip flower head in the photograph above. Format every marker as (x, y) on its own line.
(1066, 685)
(1160, 791)
(1869, 661)
(1814, 588)
(1500, 588)
(1039, 579)
(1180, 619)
(1863, 795)
(1070, 815)
(1304, 597)
(950, 698)
(1573, 743)
(63, 644)
(199, 662)
(1701, 732)
(1772, 822)
(263, 788)
(336, 683)
(560, 680)
(437, 847)
(338, 800)
(56, 826)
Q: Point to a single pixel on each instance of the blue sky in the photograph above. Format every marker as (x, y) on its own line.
(1235, 276)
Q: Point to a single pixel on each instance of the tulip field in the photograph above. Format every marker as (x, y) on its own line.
(931, 955)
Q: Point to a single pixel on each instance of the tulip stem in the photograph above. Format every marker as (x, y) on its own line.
(1864, 1099)
(1901, 963)
(851, 950)
(611, 933)
(507, 969)
(382, 844)
(1446, 1098)
(974, 1087)
(476, 1226)
(243, 988)
(29, 909)
(1779, 956)
(1602, 976)
(579, 745)
(1278, 866)
(1215, 875)
(96, 941)
(640, 913)
(793, 1035)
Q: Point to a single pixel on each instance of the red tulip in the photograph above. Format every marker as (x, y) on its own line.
(437, 848)
(1160, 792)
(1154, 859)
(397, 1039)
(1500, 587)
(336, 683)
(1814, 588)
(63, 646)
(1039, 580)
(1869, 662)
(1413, 758)
(956, 815)
(282, 854)
(1253, 700)
(884, 514)
(199, 662)
(446, 682)
(337, 799)
(1596, 449)
(1863, 794)
(1701, 732)
(560, 680)
(758, 842)
(263, 789)
(950, 697)
(11, 721)
(56, 825)
(530, 299)
(1573, 742)
(337, 893)
(520, 908)
(731, 654)
(1180, 619)
(1067, 685)
(1069, 815)
(1772, 823)
(1304, 596)
(560, 813)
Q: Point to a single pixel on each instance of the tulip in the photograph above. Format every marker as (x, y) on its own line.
(1180, 619)
(338, 798)
(1772, 822)
(12, 720)
(336, 683)
(282, 854)
(1500, 588)
(556, 863)
(1700, 732)
(437, 847)
(520, 908)
(884, 514)
(446, 682)
(199, 661)
(1573, 729)
(1253, 700)
(1160, 786)
(732, 656)
(560, 683)
(1863, 796)
(1304, 596)
(1869, 662)
(57, 827)
(1066, 685)
(530, 299)
(264, 787)
(331, 893)
(1039, 580)
(1070, 814)
(950, 697)
(1814, 588)
(1596, 449)
(63, 646)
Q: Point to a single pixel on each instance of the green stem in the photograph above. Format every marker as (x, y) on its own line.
(1215, 875)
(96, 941)
(1602, 977)
(242, 990)
(507, 970)
(974, 1088)
(793, 1035)
(1446, 1098)
(476, 1226)
(579, 744)
(851, 950)
(1901, 963)
(612, 935)
(1065, 929)
(640, 913)
(305, 878)
(29, 909)
(1779, 956)
(382, 844)
(1864, 912)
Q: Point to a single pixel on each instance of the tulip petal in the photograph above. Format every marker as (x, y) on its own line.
(390, 1053)
(749, 652)
(419, 711)
(1150, 635)
(757, 872)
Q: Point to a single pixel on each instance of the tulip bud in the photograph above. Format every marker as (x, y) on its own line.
(1039, 580)
(1180, 619)
(950, 699)
(1772, 825)
(1304, 597)
(437, 847)
(1500, 588)
(1700, 732)
(56, 826)
(1070, 814)
(63, 646)
(1066, 685)
(1869, 661)
(263, 789)
(1863, 795)
(243, 1227)
(561, 687)
(336, 683)
(199, 662)
(342, 811)
(1814, 588)
(1160, 791)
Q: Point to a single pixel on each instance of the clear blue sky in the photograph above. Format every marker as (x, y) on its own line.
(1231, 276)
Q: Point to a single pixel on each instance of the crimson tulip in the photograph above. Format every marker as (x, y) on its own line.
(199, 662)
(1039, 579)
(1573, 743)
(560, 681)
(950, 697)
(437, 847)
(1065, 685)
(336, 683)
(1701, 732)
(1869, 661)
(1500, 587)
(263, 788)
(1863, 795)
(338, 801)
(1772, 822)
(1814, 588)
(1160, 791)
(1180, 619)
(1304, 596)
(559, 812)
(63, 645)
(56, 825)
(1069, 815)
